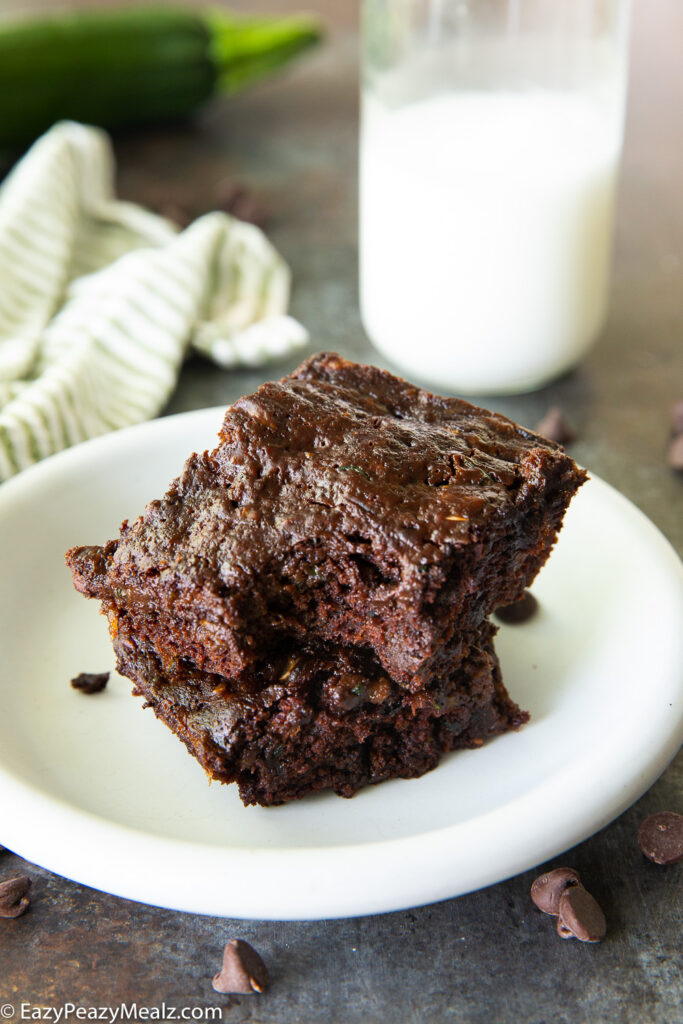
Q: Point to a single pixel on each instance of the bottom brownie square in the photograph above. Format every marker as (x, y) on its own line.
(321, 717)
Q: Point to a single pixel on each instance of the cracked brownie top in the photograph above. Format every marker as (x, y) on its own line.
(341, 451)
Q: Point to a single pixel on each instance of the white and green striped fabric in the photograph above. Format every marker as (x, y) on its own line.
(100, 299)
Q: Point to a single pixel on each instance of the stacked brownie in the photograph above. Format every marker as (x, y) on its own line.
(307, 607)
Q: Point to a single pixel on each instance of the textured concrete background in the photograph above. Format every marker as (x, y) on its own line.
(490, 957)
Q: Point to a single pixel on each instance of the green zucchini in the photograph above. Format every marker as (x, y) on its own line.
(124, 67)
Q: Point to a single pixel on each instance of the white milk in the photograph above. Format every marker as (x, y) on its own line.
(486, 225)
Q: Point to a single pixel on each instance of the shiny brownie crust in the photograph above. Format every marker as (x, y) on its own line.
(341, 504)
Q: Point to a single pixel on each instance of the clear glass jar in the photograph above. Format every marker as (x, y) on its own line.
(491, 133)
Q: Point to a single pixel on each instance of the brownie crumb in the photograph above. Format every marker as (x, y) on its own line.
(554, 426)
(90, 682)
(519, 611)
(13, 896)
(660, 837)
(243, 971)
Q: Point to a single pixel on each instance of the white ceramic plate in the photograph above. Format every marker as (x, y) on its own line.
(96, 789)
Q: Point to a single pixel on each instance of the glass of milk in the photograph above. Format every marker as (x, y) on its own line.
(491, 132)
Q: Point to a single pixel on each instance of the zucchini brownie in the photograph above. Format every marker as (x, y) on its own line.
(343, 510)
(344, 503)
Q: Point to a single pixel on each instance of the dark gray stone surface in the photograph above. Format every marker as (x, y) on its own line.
(489, 957)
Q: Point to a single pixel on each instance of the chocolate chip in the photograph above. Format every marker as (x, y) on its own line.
(13, 898)
(234, 198)
(555, 427)
(228, 192)
(581, 915)
(660, 837)
(519, 611)
(547, 889)
(90, 682)
(176, 212)
(243, 971)
(675, 453)
(173, 200)
(677, 418)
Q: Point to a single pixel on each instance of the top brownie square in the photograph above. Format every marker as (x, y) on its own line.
(344, 503)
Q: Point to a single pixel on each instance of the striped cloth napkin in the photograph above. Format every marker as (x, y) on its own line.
(100, 299)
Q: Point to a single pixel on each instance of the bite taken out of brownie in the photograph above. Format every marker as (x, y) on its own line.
(341, 505)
